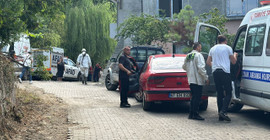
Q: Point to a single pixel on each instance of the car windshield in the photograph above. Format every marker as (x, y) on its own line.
(167, 64)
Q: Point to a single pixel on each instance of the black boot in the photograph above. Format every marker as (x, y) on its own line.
(196, 116)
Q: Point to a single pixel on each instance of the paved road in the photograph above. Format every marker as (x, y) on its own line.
(97, 115)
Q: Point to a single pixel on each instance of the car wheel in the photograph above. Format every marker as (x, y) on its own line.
(139, 95)
(235, 106)
(203, 105)
(146, 105)
(108, 83)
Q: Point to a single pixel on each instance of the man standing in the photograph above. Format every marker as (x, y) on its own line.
(125, 70)
(219, 58)
(195, 66)
(27, 64)
(84, 61)
(97, 72)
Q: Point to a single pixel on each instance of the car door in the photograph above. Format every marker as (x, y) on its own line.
(207, 35)
(74, 70)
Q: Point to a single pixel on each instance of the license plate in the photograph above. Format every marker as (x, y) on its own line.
(179, 95)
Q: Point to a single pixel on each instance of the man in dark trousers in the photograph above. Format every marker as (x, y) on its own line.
(197, 77)
(219, 58)
(125, 70)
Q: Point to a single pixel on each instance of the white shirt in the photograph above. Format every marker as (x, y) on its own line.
(220, 54)
(27, 62)
(84, 61)
(195, 68)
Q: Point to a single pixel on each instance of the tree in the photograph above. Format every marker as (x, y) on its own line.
(144, 29)
(87, 26)
(10, 23)
(182, 28)
(214, 17)
(26, 16)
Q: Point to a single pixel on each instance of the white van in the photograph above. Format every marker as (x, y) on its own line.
(53, 55)
(251, 74)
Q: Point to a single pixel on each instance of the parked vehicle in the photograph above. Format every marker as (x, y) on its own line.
(139, 55)
(53, 55)
(250, 75)
(163, 79)
(71, 70)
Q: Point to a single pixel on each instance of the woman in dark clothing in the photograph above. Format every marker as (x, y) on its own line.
(60, 69)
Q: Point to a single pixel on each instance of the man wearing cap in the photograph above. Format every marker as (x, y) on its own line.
(84, 61)
(27, 64)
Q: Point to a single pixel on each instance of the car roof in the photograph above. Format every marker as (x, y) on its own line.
(147, 47)
(169, 55)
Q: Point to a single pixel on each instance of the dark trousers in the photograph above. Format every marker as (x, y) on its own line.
(96, 76)
(23, 72)
(196, 95)
(224, 89)
(124, 85)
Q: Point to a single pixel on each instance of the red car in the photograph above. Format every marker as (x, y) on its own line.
(163, 79)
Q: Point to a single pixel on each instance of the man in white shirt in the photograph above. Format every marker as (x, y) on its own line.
(197, 77)
(219, 58)
(27, 65)
(85, 63)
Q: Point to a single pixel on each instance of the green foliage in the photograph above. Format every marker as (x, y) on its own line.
(214, 17)
(41, 71)
(183, 27)
(10, 23)
(144, 29)
(230, 39)
(27, 16)
(87, 26)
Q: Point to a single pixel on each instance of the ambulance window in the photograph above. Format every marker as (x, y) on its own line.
(255, 39)
(240, 40)
(268, 44)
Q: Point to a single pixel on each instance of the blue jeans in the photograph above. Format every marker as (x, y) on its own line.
(23, 72)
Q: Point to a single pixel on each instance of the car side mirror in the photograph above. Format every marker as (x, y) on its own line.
(113, 60)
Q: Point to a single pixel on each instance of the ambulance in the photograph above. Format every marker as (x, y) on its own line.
(251, 73)
(72, 72)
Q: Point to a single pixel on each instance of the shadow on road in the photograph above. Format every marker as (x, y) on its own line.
(256, 116)
(170, 107)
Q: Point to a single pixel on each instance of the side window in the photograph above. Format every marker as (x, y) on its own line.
(268, 44)
(141, 55)
(208, 37)
(151, 52)
(159, 52)
(255, 39)
(133, 53)
(71, 63)
(240, 40)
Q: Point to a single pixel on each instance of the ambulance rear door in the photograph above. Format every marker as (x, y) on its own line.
(207, 35)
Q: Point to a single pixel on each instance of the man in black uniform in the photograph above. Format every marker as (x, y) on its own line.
(125, 70)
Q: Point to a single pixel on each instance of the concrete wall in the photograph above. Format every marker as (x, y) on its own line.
(150, 7)
(203, 6)
(125, 9)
